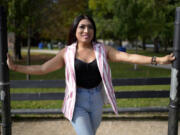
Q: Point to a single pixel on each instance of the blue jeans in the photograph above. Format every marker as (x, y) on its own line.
(88, 111)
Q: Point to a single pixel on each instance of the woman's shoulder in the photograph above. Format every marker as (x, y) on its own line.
(61, 52)
(107, 47)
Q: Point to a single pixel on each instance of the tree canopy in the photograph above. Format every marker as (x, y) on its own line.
(134, 19)
(130, 20)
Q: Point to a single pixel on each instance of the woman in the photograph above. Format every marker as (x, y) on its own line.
(88, 76)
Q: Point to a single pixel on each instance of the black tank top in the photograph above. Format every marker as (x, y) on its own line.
(87, 74)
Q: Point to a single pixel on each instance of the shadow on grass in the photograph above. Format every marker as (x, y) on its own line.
(111, 117)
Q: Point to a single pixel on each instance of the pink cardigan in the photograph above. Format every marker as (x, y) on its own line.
(70, 91)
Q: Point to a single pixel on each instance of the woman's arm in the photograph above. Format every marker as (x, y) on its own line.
(53, 64)
(117, 56)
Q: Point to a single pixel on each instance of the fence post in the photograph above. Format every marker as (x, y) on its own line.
(175, 80)
(4, 76)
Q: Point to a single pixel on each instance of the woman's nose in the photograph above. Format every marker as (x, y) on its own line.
(86, 29)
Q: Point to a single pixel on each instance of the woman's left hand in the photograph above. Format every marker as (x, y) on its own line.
(168, 59)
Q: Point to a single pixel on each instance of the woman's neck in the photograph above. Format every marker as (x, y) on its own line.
(84, 45)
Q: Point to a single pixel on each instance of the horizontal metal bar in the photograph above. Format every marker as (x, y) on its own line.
(37, 83)
(61, 83)
(143, 94)
(141, 81)
(119, 94)
(36, 111)
(37, 96)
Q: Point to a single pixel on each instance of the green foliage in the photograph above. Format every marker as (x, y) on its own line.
(59, 17)
(102, 11)
(48, 18)
(134, 19)
(123, 15)
(116, 19)
(23, 14)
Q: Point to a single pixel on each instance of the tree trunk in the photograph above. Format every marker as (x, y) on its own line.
(165, 45)
(135, 65)
(17, 50)
(28, 52)
(156, 45)
(120, 42)
(144, 43)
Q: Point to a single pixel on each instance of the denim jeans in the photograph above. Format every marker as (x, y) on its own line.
(88, 111)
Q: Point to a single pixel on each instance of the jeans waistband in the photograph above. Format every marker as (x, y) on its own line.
(95, 89)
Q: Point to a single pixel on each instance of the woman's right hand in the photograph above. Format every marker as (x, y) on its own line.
(10, 63)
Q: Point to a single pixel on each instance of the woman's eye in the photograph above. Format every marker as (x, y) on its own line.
(90, 27)
(82, 27)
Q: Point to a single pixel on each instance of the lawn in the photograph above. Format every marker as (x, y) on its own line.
(119, 70)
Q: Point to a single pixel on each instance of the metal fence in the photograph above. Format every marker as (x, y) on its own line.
(60, 95)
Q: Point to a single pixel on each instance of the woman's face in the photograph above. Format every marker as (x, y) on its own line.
(84, 31)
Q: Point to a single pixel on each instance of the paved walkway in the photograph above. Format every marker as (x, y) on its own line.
(168, 66)
(107, 127)
(42, 51)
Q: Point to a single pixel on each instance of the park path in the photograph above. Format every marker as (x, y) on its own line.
(107, 127)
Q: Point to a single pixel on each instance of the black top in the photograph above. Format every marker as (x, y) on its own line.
(87, 74)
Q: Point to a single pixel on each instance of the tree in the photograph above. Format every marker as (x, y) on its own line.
(59, 16)
(135, 20)
(22, 20)
(103, 16)
(167, 33)
(121, 17)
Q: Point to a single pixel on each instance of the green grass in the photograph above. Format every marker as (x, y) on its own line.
(125, 70)
(57, 104)
(47, 104)
(121, 102)
(59, 74)
(142, 87)
(155, 102)
(119, 70)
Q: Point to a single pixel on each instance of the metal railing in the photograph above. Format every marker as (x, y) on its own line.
(60, 95)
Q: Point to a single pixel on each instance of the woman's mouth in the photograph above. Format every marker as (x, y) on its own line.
(85, 36)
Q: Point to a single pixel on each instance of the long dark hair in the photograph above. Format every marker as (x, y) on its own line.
(72, 33)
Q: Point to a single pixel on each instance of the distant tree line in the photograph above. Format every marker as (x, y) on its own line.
(132, 20)
(36, 20)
